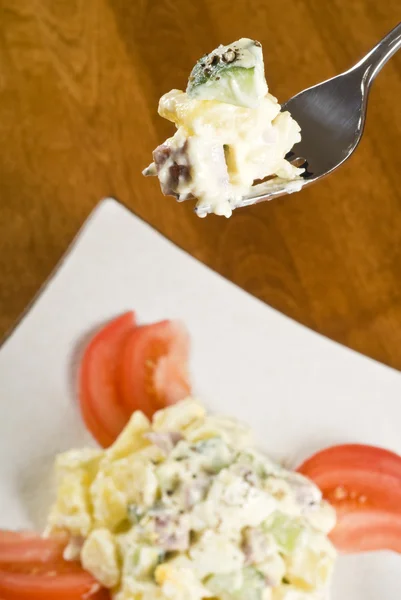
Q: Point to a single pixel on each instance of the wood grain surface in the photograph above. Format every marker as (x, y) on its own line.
(79, 87)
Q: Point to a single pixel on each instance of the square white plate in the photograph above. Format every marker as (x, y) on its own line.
(298, 390)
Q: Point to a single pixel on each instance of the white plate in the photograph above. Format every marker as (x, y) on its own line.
(298, 390)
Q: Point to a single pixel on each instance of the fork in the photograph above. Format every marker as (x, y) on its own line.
(331, 116)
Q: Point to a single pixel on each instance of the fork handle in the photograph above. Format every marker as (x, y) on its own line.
(375, 60)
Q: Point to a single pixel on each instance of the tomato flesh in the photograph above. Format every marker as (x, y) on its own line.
(48, 585)
(101, 407)
(363, 483)
(363, 531)
(33, 568)
(154, 367)
(127, 368)
(27, 547)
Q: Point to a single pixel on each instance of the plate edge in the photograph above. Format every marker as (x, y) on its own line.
(42, 288)
(109, 200)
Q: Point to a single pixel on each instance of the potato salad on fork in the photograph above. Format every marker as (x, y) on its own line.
(230, 133)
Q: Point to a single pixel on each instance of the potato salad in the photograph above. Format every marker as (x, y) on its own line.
(230, 132)
(186, 507)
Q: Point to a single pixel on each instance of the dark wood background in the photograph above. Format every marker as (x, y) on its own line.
(79, 86)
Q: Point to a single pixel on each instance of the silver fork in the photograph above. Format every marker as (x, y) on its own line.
(332, 117)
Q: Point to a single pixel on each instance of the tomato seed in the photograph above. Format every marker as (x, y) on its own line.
(340, 493)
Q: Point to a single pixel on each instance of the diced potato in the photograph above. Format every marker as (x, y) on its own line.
(177, 107)
(131, 438)
(87, 458)
(71, 510)
(215, 553)
(230, 430)
(289, 592)
(133, 476)
(109, 503)
(322, 518)
(310, 570)
(179, 416)
(179, 582)
(151, 453)
(99, 557)
(273, 568)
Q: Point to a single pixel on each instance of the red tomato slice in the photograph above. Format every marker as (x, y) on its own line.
(101, 408)
(154, 367)
(49, 584)
(28, 547)
(32, 568)
(363, 483)
(365, 531)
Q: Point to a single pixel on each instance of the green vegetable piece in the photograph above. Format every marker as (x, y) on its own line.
(245, 585)
(233, 74)
(286, 531)
(216, 454)
(253, 585)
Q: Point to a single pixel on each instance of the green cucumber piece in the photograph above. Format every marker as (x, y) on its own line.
(286, 531)
(247, 584)
(233, 74)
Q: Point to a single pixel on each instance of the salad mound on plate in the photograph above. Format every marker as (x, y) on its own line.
(184, 507)
(181, 504)
(230, 132)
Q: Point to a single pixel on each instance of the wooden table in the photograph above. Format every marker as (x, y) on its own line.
(79, 86)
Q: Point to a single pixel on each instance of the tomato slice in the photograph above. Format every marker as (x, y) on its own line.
(154, 367)
(32, 568)
(28, 547)
(101, 407)
(365, 531)
(49, 584)
(363, 483)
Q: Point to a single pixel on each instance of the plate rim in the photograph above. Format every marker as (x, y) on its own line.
(54, 271)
